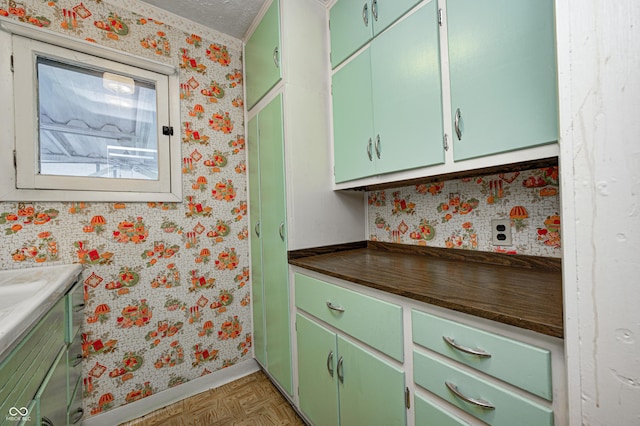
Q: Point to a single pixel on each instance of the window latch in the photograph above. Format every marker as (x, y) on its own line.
(167, 130)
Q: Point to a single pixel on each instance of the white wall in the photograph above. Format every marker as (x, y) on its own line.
(599, 64)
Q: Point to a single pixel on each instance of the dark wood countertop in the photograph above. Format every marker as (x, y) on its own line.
(523, 291)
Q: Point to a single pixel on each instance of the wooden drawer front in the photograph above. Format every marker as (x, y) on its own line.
(510, 408)
(22, 372)
(373, 321)
(522, 365)
(428, 413)
(74, 311)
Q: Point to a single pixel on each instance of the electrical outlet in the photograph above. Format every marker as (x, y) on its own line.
(501, 232)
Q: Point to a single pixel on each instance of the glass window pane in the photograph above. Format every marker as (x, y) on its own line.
(95, 124)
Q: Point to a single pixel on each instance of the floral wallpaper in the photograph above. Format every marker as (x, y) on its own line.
(457, 213)
(165, 284)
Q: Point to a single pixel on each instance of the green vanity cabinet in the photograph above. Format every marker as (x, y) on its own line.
(341, 382)
(502, 68)
(262, 56)
(387, 102)
(269, 264)
(354, 22)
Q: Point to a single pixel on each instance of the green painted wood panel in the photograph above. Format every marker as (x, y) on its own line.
(373, 321)
(407, 98)
(353, 119)
(372, 390)
(429, 414)
(351, 27)
(510, 408)
(274, 246)
(503, 74)
(262, 72)
(257, 296)
(388, 11)
(525, 366)
(317, 379)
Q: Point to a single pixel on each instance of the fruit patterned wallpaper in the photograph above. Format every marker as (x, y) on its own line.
(457, 213)
(166, 285)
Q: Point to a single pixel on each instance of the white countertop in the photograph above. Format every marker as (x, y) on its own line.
(26, 295)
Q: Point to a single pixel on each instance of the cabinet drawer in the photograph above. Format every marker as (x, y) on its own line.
(22, 372)
(74, 365)
(75, 411)
(520, 364)
(373, 321)
(74, 302)
(428, 413)
(509, 407)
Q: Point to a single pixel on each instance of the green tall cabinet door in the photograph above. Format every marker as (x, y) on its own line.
(503, 75)
(371, 389)
(257, 298)
(317, 359)
(274, 246)
(262, 56)
(407, 108)
(353, 119)
(386, 12)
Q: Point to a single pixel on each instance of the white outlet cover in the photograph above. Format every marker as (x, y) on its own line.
(501, 238)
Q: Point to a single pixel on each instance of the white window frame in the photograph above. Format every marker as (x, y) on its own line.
(19, 177)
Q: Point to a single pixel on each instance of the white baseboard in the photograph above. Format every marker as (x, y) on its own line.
(156, 401)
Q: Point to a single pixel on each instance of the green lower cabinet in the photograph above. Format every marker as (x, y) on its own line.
(429, 414)
(343, 383)
(269, 265)
(489, 402)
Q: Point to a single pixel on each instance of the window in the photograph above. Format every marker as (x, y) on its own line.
(90, 123)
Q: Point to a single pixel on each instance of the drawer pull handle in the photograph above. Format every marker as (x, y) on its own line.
(374, 9)
(334, 307)
(256, 229)
(340, 370)
(378, 149)
(476, 352)
(281, 231)
(479, 402)
(276, 59)
(77, 360)
(369, 154)
(330, 363)
(79, 307)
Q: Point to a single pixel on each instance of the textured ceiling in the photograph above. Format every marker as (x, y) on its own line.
(232, 17)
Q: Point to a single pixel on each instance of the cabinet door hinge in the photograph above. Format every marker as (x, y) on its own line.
(15, 160)
(445, 142)
(12, 63)
(407, 398)
(440, 17)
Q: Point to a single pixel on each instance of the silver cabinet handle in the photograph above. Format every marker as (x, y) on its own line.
(77, 360)
(330, 363)
(256, 229)
(78, 308)
(457, 124)
(374, 9)
(378, 149)
(281, 231)
(369, 150)
(479, 402)
(365, 14)
(77, 416)
(340, 370)
(276, 59)
(459, 347)
(334, 307)
(46, 421)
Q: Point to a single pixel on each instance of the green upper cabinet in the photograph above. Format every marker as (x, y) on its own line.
(503, 75)
(262, 56)
(353, 119)
(387, 102)
(354, 22)
(407, 98)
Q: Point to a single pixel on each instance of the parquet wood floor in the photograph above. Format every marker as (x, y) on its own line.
(249, 401)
